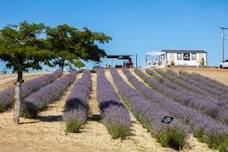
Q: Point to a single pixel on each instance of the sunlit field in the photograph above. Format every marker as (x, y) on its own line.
(172, 109)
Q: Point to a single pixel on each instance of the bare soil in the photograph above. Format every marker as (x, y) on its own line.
(47, 131)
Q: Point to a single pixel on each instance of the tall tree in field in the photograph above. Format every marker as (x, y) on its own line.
(71, 45)
(22, 47)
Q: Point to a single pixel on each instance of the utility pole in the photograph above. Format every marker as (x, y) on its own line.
(223, 42)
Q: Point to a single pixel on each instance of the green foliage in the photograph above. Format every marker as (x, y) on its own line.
(117, 131)
(213, 140)
(22, 47)
(223, 147)
(172, 138)
(27, 45)
(73, 125)
(70, 44)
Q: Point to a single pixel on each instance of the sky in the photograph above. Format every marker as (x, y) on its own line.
(136, 26)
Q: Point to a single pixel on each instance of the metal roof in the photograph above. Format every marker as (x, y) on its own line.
(154, 53)
(119, 56)
(184, 51)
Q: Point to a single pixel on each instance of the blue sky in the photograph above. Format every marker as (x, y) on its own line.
(136, 26)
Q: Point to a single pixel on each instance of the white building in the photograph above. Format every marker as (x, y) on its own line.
(176, 58)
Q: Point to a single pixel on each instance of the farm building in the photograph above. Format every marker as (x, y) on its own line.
(177, 58)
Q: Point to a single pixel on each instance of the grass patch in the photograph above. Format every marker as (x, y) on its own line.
(118, 131)
(172, 138)
(73, 126)
(223, 147)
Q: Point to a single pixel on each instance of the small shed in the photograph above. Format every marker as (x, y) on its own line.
(177, 58)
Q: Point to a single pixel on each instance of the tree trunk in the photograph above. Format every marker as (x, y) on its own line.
(62, 64)
(17, 106)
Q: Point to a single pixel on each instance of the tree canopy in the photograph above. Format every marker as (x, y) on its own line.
(27, 45)
(22, 47)
(73, 45)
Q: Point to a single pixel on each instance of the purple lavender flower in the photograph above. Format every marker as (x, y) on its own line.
(205, 128)
(40, 99)
(151, 115)
(7, 95)
(76, 107)
(113, 113)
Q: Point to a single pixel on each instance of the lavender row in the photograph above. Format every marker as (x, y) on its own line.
(205, 105)
(216, 93)
(172, 76)
(113, 113)
(197, 89)
(151, 115)
(7, 95)
(203, 127)
(40, 99)
(210, 82)
(76, 107)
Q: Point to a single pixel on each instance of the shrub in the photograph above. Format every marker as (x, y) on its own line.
(205, 105)
(172, 137)
(113, 113)
(76, 107)
(7, 95)
(40, 99)
(151, 114)
(223, 147)
(203, 127)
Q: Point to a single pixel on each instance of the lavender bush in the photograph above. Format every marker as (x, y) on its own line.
(203, 104)
(213, 91)
(172, 76)
(7, 95)
(40, 99)
(211, 96)
(151, 114)
(203, 127)
(113, 113)
(76, 107)
(210, 82)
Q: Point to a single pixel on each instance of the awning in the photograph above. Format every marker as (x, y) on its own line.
(119, 57)
(154, 53)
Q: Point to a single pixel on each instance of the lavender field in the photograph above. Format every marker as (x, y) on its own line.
(137, 110)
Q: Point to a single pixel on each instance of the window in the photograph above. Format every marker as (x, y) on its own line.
(193, 56)
(186, 56)
(179, 56)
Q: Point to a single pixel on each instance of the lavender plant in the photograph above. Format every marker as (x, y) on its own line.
(199, 92)
(7, 95)
(40, 99)
(213, 91)
(210, 82)
(151, 115)
(113, 113)
(203, 127)
(203, 104)
(76, 107)
(172, 76)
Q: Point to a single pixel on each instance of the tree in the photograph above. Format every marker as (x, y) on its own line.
(30, 45)
(71, 44)
(23, 47)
